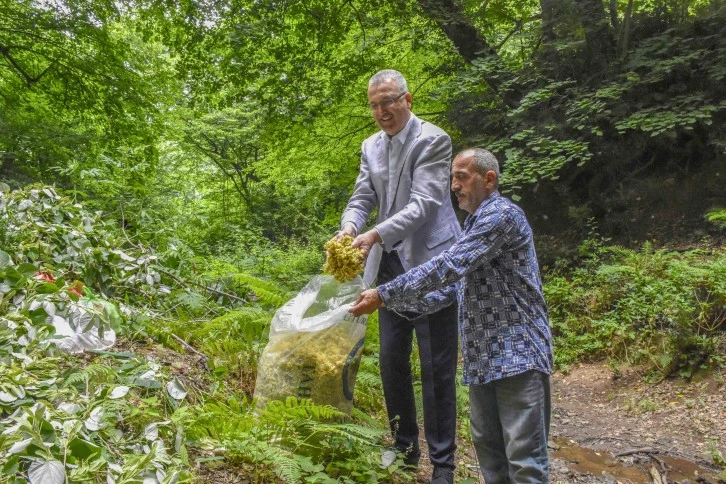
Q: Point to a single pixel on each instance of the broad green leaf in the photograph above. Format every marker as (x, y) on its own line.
(147, 380)
(94, 421)
(118, 392)
(82, 449)
(5, 260)
(151, 431)
(27, 269)
(46, 472)
(49, 308)
(176, 389)
(46, 288)
(7, 397)
(69, 408)
(20, 446)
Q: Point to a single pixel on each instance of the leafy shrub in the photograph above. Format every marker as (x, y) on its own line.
(717, 216)
(121, 417)
(665, 309)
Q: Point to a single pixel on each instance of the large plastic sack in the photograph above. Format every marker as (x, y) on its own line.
(315, 346)
(89, 325)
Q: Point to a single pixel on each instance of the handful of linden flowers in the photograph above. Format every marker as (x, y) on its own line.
(342, 261)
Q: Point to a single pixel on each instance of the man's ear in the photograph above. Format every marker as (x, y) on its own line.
(491, 177)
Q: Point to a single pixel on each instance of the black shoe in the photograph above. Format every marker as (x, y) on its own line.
(442, 475)
(411, 460)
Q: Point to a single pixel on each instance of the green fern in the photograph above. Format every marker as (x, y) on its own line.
(230, 349)
(237, 356)
(249, 324)
(278, 411)
(91, 375)
(358, 434)
(717, 216)
(267, 293)
(257, 451)
(220, 421)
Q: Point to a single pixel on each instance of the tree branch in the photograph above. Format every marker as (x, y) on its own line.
(210, 289)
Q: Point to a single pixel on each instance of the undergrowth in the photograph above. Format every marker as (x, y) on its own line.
(663, 309)
(202, 322)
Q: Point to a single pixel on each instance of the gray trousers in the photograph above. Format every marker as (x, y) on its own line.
(510, 420)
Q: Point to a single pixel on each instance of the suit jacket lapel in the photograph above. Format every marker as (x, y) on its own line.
(413, 133)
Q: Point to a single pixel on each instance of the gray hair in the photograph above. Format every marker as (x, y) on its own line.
(484, 161)
(386, 74)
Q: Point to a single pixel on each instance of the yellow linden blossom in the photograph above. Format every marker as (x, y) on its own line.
(343, 261)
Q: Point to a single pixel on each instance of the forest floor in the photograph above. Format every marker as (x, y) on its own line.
(615, 428)
(607, 427)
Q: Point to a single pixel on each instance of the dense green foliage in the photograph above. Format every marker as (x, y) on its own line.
(117, 415)
(239, 122)
(201, 153)
(666, 310)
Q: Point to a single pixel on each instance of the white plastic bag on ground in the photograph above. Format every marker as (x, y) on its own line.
(315, 346)
(89, 326)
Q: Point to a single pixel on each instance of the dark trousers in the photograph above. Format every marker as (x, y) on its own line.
(436, 335)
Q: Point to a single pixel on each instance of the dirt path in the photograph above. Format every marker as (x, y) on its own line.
(609, 428)
(674, 423)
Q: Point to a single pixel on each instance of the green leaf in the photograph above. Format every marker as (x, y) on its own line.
(46, 472)
(5, 260)
(46, 288)
(118, 392)
(20, 446)
(95, 420)
(176, 389)
(82, 449)
(27, 269)
(11, 466)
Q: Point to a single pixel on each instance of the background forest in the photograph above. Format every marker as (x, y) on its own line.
(186, 160)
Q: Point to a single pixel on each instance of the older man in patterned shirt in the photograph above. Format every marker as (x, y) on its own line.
(492, 272)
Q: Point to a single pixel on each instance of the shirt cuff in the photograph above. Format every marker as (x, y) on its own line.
(386, 292)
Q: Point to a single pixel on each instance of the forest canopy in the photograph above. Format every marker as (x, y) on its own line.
(249, 115)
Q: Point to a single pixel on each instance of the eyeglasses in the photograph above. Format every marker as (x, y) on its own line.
(386, 103)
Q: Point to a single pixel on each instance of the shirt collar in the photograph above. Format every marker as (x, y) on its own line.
(480, 209)
(400, 137)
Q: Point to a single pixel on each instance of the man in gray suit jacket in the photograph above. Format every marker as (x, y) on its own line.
(404, 174)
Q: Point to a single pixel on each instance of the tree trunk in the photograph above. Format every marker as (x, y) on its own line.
(598, 35)
(549, 8)
(614, 22)
(624, 37)
(450, 17)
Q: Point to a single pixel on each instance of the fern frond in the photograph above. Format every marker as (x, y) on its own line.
(615, 270)
(221, 421)
(357, 433)
(268, 294)
(620, 252)
(304, 408)
(260, 451)
(360, 416)
(93, 374)
(229, 348)
(247, 323)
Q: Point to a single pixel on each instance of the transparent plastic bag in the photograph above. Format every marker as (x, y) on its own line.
(315, 346)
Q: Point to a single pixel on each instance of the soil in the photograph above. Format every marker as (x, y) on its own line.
(613, 427)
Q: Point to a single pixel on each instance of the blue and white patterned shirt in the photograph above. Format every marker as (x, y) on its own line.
(492, 272)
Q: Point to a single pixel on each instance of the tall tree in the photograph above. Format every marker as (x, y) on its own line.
(598, 34)
(75, 83)
(471, 45)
